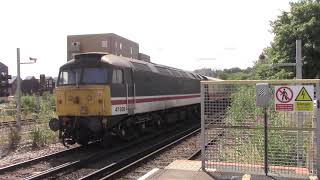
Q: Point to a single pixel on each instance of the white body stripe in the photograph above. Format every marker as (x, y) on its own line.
(156, 105)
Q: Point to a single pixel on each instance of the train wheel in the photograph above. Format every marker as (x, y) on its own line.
(158, 121)
(142, 127)
(82, 137)
(123, 132)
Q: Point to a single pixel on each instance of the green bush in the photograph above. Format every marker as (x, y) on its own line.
(28, 103)
(47, 107)
(14, 137)
(41, 136)
(243, 106)
(248, 144)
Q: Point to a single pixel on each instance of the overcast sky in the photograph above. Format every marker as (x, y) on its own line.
(184, 34)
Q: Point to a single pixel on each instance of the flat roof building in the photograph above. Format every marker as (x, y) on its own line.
(109, 43)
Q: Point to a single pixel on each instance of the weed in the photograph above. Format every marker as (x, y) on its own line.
(41, 136)
(14, 137)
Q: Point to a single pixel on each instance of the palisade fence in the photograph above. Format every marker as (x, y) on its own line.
(235, 138)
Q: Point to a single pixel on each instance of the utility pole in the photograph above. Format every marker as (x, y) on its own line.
(298, 60)
(18, 91)
(300, 114)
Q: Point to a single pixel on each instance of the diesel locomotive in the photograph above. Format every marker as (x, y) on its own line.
(100, 95)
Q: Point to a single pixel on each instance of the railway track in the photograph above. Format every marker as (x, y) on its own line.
(197, 153)
(189, 149)
(28, 166)
(6, 124)
(81, 167)
(115, 169)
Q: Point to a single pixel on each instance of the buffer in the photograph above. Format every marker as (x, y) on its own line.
(303, 95)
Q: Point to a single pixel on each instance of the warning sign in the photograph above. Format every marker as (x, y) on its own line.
(304, 100)
(294, 98)
(284, 95)
(303, 95)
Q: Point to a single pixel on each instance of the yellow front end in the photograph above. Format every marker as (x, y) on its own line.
(84, 100)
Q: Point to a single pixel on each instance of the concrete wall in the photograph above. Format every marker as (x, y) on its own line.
(110, 43)
(144, 57)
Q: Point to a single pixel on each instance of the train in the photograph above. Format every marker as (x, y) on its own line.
(100, 95)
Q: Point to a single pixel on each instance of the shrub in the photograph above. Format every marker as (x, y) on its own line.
(28, 104)
(41, 136)
(248, 144)
(14, 137)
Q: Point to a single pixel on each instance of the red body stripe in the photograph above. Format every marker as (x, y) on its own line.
(155, 99)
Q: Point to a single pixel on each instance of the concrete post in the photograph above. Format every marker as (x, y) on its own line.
(18, 91)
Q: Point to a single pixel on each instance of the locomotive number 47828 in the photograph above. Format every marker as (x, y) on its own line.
(120, 109)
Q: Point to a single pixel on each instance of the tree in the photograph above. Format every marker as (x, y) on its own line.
(302, 21)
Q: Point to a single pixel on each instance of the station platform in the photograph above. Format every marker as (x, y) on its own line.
(191, 170)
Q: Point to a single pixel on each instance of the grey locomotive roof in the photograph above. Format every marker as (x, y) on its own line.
(126, 62)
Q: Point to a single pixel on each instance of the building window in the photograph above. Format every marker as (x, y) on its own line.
(120, 45)
(104, 44)
(117, 76)
(115, 45)
(131, 50)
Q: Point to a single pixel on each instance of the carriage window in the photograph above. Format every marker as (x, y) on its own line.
(95, 76)
(117, 76)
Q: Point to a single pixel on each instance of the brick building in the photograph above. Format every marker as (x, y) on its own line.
(110, 43)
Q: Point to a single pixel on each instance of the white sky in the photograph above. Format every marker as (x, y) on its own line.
(182, 34)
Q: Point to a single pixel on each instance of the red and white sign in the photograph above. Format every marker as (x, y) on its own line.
(284, 98)
(294, 98)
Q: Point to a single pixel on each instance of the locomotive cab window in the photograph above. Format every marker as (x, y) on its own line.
(117, 76)
(95, 76)
(69, 76)
(87, 75)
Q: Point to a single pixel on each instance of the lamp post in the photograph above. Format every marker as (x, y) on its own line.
(18, 91)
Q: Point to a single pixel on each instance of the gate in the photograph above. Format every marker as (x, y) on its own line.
(236, 139)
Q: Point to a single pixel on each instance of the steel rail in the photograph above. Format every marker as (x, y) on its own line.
(97, 155)
(38, 159)
(198, 152)
(4, 124)
(112, 170)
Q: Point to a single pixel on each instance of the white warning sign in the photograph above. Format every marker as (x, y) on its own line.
(294, 98)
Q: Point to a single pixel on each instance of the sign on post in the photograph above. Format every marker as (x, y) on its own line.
(294, 98)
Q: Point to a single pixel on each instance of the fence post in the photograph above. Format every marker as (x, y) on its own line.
(266, 165)
(318, 130)
(202, 129)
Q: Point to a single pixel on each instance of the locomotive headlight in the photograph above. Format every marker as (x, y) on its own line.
(84, 110)
(99, 94)
(89, 98)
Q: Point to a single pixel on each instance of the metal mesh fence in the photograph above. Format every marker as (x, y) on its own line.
(233, 131)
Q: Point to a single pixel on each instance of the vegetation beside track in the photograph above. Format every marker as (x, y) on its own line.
(36, 132)
(248, 144)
